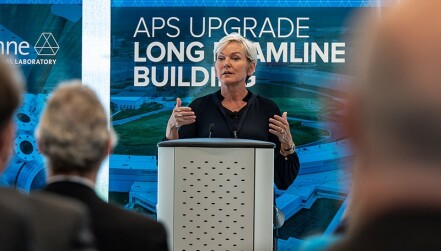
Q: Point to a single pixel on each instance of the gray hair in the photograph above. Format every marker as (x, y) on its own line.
(248, 46)
(73, 130)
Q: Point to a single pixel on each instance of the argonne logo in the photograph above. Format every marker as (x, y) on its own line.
(46, 45)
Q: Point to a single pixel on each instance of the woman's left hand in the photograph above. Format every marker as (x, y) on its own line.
(279, 126)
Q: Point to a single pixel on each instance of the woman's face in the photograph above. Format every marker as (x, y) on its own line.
(232, 65)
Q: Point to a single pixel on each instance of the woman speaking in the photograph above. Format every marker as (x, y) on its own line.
(235, 112)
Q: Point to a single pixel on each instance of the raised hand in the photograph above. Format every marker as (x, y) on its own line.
(279, 126)
(181, 115)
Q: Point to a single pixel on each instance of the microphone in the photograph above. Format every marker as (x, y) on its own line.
(210, 130)
(278, 217)
(235, 131)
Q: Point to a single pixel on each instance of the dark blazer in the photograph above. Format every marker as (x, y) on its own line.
(115, 228)
(404, 230)
(43, 222)
(16, 222)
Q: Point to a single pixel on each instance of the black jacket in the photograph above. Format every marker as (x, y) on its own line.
(114, 228)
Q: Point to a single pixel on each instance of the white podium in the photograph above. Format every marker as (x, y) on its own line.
(216, 194)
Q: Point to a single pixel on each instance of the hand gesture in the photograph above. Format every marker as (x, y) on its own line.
(279, 126)
(180, 116)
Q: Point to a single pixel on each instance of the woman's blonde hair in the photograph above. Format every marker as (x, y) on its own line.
(248, 46)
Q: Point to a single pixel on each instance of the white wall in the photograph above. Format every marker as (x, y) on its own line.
(96, 65)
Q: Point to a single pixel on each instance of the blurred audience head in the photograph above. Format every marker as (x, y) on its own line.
(399, 84)
(395, 110)
(73, 132)
(11, 88)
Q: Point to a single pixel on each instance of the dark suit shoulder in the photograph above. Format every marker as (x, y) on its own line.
(128, 230)
(136, 221)
(41, 216)
(419, 227)
(131, 216)
(114, 227)
(58, 202)
(67, 218)
(13, 214)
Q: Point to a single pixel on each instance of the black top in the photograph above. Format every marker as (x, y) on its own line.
(251, 122)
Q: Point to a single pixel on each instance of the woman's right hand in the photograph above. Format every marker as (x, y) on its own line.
(181, 115)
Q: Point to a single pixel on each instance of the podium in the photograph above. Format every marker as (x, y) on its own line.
(216, 194)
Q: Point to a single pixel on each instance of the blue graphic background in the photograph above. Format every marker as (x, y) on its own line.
(312, 93)
(40, 1)
(258, 3)
(47, 26)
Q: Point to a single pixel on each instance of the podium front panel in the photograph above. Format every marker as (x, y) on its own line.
(166, 176)
(214, 199)
(216, 194)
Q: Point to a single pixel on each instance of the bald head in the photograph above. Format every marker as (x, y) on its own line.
(398, 97)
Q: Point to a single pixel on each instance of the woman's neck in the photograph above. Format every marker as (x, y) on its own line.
(233, 93)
